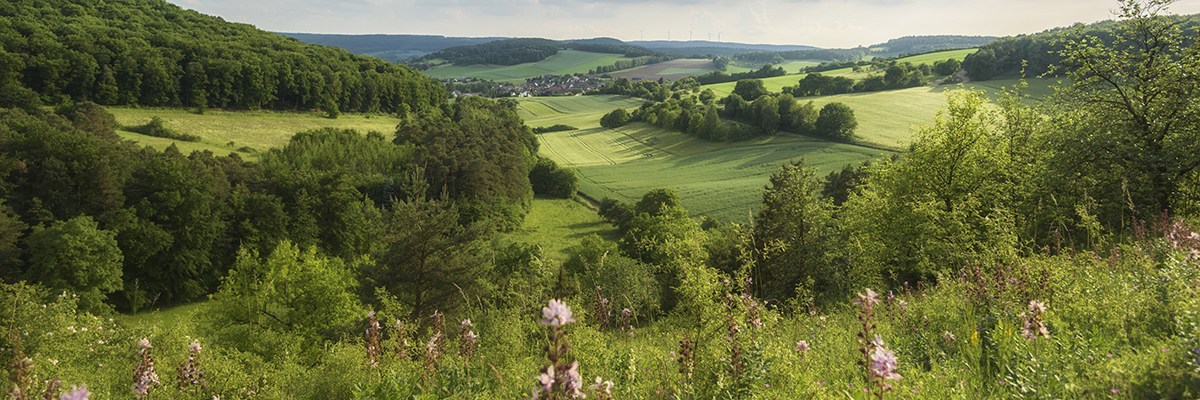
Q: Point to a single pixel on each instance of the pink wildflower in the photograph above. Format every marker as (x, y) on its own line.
(556, 313)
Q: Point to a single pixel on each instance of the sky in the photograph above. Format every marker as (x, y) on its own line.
(821, 23)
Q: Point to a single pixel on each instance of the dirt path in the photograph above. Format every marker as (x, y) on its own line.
(962, 76)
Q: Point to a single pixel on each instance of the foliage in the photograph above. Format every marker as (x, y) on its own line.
(79, 258)
(553, 128)
(478, 155)
(427, 259)
(615, 119)
(291, 301)
(153, 53)
(1129, 117)
(836, 120)
(792, 231)
(155, 128)
(547, 178)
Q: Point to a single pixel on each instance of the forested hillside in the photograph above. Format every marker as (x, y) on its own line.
(1040, 53)
(153, 53)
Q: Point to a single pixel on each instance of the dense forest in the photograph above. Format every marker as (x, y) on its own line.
(1041, 53)
(520, 51)
(153, 53)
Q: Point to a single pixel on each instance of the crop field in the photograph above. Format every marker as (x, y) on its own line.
(716, 180)
(669, 70)
(930, 58)
(258, 130)
(720, 183)
(564, 63)
(578, 111)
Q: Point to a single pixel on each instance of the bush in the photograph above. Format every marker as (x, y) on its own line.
(554, 128)
(836, 121)
(548, 179)
(615, 119)
(155, 128)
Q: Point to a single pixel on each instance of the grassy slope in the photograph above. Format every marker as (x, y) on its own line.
(717, 180)
(259, 130)
(563, 63)
(559, 224)
(777, 84)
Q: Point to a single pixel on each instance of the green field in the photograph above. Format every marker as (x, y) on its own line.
(777, 84)
(578, 111)
(566, 62)
(717, 180)
(258, 130)
(559, 224)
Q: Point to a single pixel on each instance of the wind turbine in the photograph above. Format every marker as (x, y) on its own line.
(710, 36)
(668, 36)
(718, 36)
(689, 36)
(643, 31)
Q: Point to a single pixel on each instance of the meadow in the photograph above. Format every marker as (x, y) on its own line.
(776, 84)
(250, 132)
(566, 62)
(715, 180)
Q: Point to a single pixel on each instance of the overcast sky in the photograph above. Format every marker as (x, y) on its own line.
(821, 23)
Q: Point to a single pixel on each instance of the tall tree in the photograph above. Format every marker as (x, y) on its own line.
(1131, 114)
(78, 257)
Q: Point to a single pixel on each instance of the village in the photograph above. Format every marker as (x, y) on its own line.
(545, 85)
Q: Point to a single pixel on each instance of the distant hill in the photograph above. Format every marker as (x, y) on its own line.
(392, 48)
(925, 44)
(716, 48)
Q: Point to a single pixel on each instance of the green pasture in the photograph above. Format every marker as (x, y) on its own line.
(258, 130)
(722, 184)
(578, 111)
(559, 224)
(716, 180)
(566, 62)
(930, 58)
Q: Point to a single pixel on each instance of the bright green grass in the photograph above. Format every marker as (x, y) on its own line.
(578, 111)
(720, 184)
(566, 62)
(259, 130)
(162, 318)
(717, 180)
(930, 58)
(559, 224)
(217, 149)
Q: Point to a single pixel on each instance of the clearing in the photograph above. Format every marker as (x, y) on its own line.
(566, 62)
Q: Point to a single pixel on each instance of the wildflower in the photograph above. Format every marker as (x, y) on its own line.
(144, 376)
(949, 337)
(466, 323)
(1115, 390)
(556, 313)
(573, 381)
(546, 379)
(802, 346)
(76, 393)
(871, 298)
(144, 344)
(53, 362)
(883, 367)
(607, 386)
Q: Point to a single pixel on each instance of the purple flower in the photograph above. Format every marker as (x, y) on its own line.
(605, 386)
(195, 346)
(802, 346)
(884, 364)
(1037, 307)
(1115, 390)
(76, 393)
(871, 298)
(471, 336)
(556, 313)
(546, 379)
(144, 343)
(574, 382)
(466, 323)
